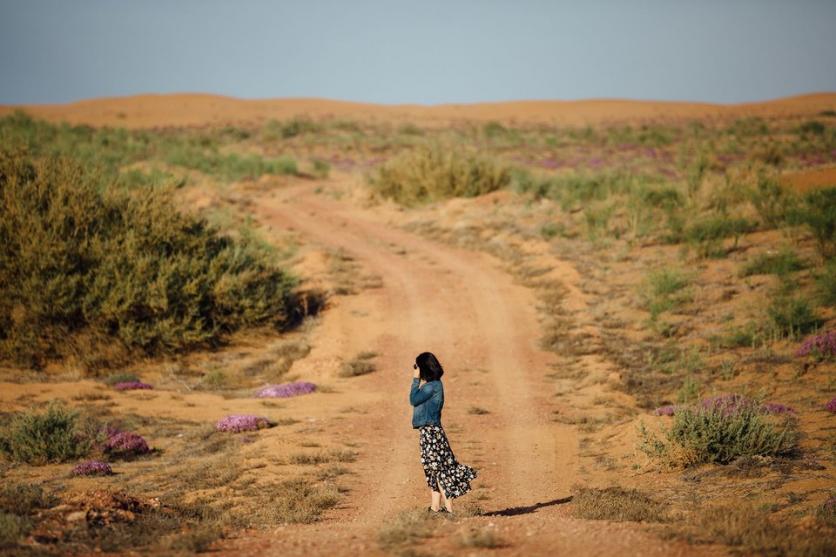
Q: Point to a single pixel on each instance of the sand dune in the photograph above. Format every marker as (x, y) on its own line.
(147, 111)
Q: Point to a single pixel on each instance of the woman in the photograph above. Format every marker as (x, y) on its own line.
(446, 477)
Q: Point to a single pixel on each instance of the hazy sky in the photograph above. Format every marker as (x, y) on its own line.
(419, 51)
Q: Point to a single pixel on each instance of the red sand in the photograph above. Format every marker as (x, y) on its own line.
(146, 111)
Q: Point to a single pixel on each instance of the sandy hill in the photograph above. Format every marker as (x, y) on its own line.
(147, 111)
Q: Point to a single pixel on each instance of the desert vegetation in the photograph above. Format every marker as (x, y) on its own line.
(683, 273)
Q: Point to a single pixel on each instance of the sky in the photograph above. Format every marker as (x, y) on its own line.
(419, 51)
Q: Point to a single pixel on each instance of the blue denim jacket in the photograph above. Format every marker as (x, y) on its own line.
(428, 401)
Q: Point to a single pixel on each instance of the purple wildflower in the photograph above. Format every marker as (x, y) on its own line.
(821, 346)
(131, 385)
(126, 444)
(92, 468)
(831, 406)
(776, 408)
(727, 404)
(667, 410)
(238, 423)
(285, 390)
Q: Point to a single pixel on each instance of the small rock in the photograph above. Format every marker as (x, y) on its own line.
(76, 516)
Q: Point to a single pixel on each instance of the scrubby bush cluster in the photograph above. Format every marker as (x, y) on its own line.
(433, 173)
(54, 435)
(84, 267)
(721, 429)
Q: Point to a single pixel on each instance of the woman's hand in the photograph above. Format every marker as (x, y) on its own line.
(416, 372)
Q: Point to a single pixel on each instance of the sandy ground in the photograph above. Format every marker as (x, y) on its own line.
(148, 111)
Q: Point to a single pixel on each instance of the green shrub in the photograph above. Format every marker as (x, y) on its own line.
(812, 127)
(24, 499)
(83, 264)
(818, 212)
(718, 434)
(772, 201)
(12, 528)
(741, 337)
(665, 290)
(56, 435)
(707, 234)
(298, 126)
(433, 173)
(229, 167)
(826, 284)
(782, 264)
(791, 314)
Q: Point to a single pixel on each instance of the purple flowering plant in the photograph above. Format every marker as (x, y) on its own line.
(285, 390)
(92, 468)
(831, 406)
(125, 444)
(667, 410)
(131, 385)
(820, 347)
(242, 422)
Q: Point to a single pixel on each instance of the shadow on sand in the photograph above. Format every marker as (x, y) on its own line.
(513, 511)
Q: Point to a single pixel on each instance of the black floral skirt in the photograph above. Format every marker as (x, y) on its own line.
(440, 466)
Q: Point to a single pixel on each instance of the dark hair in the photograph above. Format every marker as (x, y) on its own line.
(429, 368)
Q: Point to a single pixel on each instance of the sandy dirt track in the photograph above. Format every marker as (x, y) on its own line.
(484, 328)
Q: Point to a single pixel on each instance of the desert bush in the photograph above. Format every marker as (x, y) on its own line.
(812, 127)
(755, 532)
(484, 537)
(772, 201)
(721, 431)
(298, 501)
(406, 527)
(82, 265)
(818, 212)
(23, 498)
(229, 167)
(121, 377)
(617, 503)
(782, 264)
(706, 234)
(740, 337)
(298, 126)
(826, 284)
(361, 364)
(430, 173)
(665, 290)
(55, 435)
(12, 528)
(791, 314)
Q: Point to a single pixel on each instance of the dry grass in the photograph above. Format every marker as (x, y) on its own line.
(407, 527)
(484, 537)
(359, 365)
(477, 411)
(755, 531)
(334, 455)
(616, 503)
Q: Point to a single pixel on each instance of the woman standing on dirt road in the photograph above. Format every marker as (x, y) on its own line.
(446, 477)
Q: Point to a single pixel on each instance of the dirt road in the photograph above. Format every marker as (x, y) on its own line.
(484, 328)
